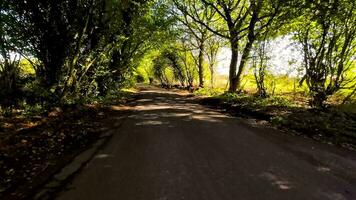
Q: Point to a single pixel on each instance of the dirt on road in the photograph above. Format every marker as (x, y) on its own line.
(172, 148)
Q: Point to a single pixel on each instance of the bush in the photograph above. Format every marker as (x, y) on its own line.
(140, 78)
(254, 102)
(208, 92)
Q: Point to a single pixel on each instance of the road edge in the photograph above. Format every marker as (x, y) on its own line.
(59, 179)
(68, 171)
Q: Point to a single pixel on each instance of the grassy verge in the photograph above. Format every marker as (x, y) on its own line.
(336, 125)
(35, 143)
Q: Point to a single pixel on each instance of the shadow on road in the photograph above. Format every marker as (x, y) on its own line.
(170, 147)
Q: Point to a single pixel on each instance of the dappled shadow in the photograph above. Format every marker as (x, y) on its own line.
(57, 137)
(161, 107)
(170, 147)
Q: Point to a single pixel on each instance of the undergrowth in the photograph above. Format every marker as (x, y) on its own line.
(336, 124)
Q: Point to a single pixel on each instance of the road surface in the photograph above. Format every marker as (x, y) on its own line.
(171, 148)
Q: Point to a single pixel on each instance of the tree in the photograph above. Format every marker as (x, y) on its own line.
(259, 65)
(260, 60)
(240, 22)
(198, 32)
(132, 26)
(169, 60)
(51, 27)
(327, 33)
(174, 63)
(186, 57)
(78, 43)
(213, 46)
(9, 61)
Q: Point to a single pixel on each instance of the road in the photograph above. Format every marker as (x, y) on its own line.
(171, 148)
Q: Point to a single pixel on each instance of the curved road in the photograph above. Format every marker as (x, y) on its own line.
(171, 148)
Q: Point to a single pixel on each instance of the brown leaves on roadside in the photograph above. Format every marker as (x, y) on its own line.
(29, 145)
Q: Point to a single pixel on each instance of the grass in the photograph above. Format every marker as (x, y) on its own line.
(336, 124)
(208, 91)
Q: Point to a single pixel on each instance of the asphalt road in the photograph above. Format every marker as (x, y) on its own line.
(171, 148)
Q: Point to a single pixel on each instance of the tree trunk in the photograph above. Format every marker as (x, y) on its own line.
(200, 65)
(318, 100)
(244, 59)
(250, 40)
(233, 65)
(212, 74)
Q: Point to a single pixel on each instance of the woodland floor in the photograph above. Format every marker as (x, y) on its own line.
(33, 148)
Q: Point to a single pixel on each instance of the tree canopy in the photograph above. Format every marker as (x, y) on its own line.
(85, 48)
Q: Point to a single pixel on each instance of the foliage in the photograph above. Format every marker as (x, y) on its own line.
(61, 60)
(260, 64)
(207, 92)
(9, 67)
(240, 23)
(327, 35)
(334, 125)
(255, 102)
(70, 52)
(73, 50)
